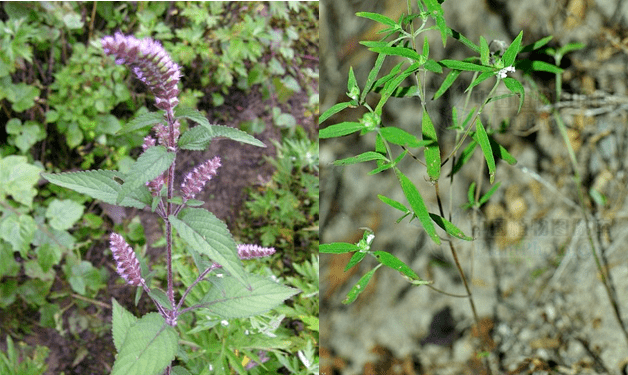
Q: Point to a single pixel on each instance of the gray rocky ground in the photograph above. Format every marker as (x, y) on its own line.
(542, 305)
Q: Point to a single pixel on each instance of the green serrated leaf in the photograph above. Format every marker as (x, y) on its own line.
(432, 150)
(18, 178)
(482, 139)
(100, 185)
(230, 299)
(142, 121)
(209, 235)
(62, 214)
(121, 321)
(337, 248)
(416, 203)
(199, 137)
(150, 345)
(151, 164)
(360, 286)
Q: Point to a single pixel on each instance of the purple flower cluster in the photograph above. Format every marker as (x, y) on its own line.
(126, 261)
(248, 251)
(151, 64)
(195, 180)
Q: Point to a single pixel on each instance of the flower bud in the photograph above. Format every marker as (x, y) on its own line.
(198, 177)
(248, 251)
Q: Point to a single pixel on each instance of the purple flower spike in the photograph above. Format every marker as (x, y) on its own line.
(126, 261)
(150, 62)
(198, 177)
(248, 251)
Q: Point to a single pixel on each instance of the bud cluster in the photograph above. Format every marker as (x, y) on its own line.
(126, 261)
(195, 180)
(151, 64)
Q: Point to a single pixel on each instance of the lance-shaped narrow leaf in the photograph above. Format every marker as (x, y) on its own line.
(416, 202)
(450, 228)
(395, 263)
(360, 286)
(516, 88)
(337, 248)
(208, 235)
(399, 136)
(150, 345)
(339, 130)
(229, 299)
(513, 49)
(366, 156)
(333, 110)
(152, 163)
(101, 185)
(432, 151)
(485, 144)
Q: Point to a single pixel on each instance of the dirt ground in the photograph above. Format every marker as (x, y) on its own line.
(542, 307)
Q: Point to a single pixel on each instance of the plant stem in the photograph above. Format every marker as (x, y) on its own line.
(171, 120)
(464, 281)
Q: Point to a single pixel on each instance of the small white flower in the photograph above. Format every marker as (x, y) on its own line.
(502, 73)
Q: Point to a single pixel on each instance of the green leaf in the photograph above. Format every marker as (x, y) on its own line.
(150, 165)
(467, 66)
(432, 151)
(449, 227)
(355, 259)
(395, 263)
(62, 214)
(18, 178)
(149, 346)
(191, 114)
(229, 299)
(570, 47)
(337, 248)
(516, 88)
(393, 203)
(353, 91)
(121, 321)
(371, 78)
(398, 51)
(399, 136)
(536, 45)
(416, 203)
(513, 49)
(333, 110)
(377, 18)
(436, 12)
(463, 39)
(208, 235)
(19, 231)
(482, 139)
(481, 78)
(433, 66)
(484, 51)
(100, 185)
(489, 193)
(339, 130)
(366, 156)
(360, 286)
(142, 121)
(449, 80)
(199, 137)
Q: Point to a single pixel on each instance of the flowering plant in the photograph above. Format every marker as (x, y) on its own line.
(148, 345)
(392, 144)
